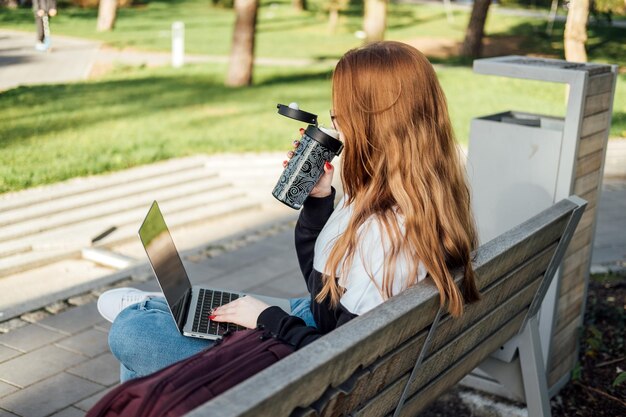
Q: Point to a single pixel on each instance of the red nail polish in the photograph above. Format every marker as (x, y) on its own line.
(328, 165)
(211, 317)
(301, 130)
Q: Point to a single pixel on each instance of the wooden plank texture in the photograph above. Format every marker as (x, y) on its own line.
(581, 238)
(303, 377)
(597, 103)
(508, 295)
(587, 183)
(569, 307)
(591, 144)
(591, 197)
(568, 344)
(384, 403)
(559, 339)
(564, 368)
(575, 259)
(595, 123)
(588, 164)
(573, 278)
(600, 84)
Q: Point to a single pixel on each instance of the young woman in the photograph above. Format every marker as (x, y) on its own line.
(405, 214)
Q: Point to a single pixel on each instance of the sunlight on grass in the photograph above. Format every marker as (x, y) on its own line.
(134, 117)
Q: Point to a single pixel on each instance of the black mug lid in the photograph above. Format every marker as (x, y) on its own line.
(335, 145)
(296, 114)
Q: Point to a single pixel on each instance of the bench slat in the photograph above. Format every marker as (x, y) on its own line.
(390, 367)
(456, 349)
(385, 402)
(304, 376)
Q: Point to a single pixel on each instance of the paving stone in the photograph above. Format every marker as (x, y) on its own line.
(90, 342)
(104, 370)
(6, 389)
(37, 365)
(69, 412)
(261, 272)
(49, 396)
(29, 337)
(291, 284)
(5, 413)
(7, 353)
(87, 403)
(74, 320)
(103, 326)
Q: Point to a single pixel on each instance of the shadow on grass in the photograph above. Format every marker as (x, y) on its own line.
(56, 108)
(604, 44)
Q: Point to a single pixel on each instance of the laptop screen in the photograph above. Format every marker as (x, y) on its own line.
(166, 263)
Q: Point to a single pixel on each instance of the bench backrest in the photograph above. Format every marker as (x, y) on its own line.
(362, 367)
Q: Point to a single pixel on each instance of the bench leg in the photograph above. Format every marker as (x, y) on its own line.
(533, 370)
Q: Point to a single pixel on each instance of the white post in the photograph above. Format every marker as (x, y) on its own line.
(178, 44)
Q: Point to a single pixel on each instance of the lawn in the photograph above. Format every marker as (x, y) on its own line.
(136, 116)
(283, 32)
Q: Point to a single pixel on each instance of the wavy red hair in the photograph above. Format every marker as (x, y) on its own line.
(400, 155)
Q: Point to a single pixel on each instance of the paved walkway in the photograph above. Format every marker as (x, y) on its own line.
(70, 60)
(74, 59)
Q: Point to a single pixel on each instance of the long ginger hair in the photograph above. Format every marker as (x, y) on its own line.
(400, 157)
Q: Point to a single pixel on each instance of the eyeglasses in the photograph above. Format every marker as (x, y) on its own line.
(332, 119)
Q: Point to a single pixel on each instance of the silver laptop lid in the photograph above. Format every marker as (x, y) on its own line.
(166, 263)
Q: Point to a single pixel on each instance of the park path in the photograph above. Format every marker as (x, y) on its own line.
(71, 59)
(74, 59)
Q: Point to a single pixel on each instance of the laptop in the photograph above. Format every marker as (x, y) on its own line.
(190, 305)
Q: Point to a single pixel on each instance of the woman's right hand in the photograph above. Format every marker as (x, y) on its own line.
(323, 186)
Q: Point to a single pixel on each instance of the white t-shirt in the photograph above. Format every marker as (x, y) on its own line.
(361, 292)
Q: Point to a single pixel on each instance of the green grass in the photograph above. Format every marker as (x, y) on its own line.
(283, 32)
(136, 116)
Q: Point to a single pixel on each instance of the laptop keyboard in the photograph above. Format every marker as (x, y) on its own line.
(208, 300)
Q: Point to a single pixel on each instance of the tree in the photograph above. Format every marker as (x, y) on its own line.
(473, 43)
(299, 5)
(576, 31)
(375, 20)
(107, 12)
(242, 50)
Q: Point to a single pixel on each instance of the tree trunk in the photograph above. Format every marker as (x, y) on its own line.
(375, 20)
(107, 11)
(576, 31)
(242, 50)
(473, 43)
(299, 5)
(11, 4)
(333, 18)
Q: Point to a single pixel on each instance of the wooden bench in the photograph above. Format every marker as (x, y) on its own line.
(362, 368)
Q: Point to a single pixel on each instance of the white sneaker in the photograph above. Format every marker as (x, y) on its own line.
(41, 47)
(112, 302)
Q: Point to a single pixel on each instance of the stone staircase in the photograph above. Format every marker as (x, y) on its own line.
(49, 231)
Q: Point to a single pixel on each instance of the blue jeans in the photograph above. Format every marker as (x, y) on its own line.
(145, 339)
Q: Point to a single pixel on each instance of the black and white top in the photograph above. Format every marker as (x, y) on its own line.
(318, 226)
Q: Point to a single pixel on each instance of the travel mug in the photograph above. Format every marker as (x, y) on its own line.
(317, 146)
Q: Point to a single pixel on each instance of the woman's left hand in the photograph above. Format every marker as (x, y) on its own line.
(243, 311)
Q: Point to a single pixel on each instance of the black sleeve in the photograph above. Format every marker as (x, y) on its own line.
(314, 215)
(293, 330)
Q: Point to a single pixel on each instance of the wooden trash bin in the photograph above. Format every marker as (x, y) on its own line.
(516, 157)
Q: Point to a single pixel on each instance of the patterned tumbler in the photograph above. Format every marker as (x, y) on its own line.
(317, 146)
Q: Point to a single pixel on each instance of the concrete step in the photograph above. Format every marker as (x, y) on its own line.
(82, 233)
(178, 213)
(96, 196)
(26, 198)
(110, 206)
